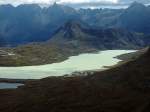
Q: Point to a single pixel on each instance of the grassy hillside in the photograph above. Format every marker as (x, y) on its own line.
(39, 53)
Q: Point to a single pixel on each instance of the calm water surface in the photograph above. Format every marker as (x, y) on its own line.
(9, 85)
(82, 62)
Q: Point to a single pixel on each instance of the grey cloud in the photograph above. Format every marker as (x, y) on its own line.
(17, 2)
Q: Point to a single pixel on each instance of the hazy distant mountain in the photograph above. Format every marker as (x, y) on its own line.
(19, 24)
(136, 18)
(104, 18)
(2, 42)
(28, 23)
(31, 23)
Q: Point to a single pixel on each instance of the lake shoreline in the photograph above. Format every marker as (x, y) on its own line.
(7, 85)
(81, 63)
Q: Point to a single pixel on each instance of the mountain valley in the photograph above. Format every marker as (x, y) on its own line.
(62, 59)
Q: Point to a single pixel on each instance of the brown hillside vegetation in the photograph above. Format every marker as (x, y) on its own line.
(122, 89)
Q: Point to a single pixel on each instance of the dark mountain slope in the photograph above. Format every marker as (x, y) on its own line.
(136, 18)
(30, 23)
(122, 89)
(104, 18)
(2, 41)
(80, 35)
(19, 24)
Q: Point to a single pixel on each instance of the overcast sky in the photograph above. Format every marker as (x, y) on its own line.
(17, 2)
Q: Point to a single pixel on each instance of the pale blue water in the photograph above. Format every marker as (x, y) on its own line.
(9, 85)
(82, 62)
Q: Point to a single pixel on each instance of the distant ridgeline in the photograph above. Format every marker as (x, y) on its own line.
(31, 23)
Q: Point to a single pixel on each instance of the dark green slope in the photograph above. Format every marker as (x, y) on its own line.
(122, 89)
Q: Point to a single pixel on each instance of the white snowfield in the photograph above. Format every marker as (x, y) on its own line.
(82, 62)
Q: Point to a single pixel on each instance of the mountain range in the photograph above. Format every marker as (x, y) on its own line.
(38, 35)
(31, 23)
(31, 35)
(81, 35)
(72, 38)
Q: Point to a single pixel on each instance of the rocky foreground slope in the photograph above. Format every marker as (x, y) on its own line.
(122, 89)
